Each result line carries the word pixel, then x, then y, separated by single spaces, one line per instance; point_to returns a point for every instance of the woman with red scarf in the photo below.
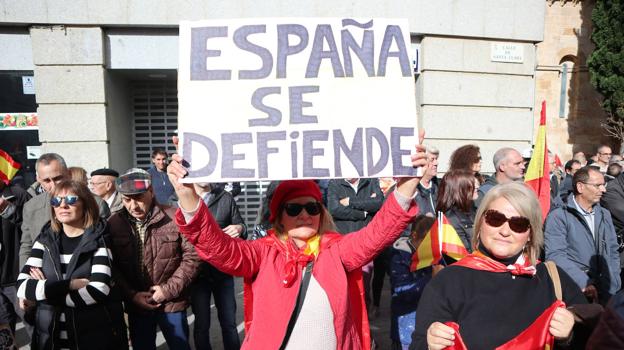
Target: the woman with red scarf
pixel 500 296
pixel 303 282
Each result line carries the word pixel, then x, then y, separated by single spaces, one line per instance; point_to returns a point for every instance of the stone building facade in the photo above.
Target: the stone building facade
pixel 89 59
pixel 562 80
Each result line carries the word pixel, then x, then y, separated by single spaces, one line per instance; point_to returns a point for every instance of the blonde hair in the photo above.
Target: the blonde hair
pixel 90 209
pixel 77 173
pixel 326 223
pixel 525 202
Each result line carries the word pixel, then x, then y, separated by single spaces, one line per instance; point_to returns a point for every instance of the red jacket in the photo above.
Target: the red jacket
pixel 263 264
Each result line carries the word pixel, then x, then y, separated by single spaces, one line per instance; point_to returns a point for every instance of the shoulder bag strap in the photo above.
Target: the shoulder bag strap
pixel 554 276
pixel 303 289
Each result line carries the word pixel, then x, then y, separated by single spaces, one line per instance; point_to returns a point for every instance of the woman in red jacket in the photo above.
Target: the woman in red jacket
pixel 303 285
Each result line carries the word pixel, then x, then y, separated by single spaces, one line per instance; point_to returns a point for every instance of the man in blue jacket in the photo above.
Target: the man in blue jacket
pixel 580 238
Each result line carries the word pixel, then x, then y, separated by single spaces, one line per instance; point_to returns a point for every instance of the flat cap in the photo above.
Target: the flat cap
pixel 134 181
pixel 105 172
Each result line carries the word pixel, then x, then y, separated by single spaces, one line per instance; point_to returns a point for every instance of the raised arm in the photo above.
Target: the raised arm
pixel 232 256
pixel 359 248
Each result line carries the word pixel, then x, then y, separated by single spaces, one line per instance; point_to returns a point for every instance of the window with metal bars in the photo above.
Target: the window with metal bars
pixel 155 120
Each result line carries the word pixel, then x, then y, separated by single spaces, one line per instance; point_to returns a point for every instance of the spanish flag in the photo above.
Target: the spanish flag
pixel 537 336
pixel 441 239
pixel 538 174
pixel 8 167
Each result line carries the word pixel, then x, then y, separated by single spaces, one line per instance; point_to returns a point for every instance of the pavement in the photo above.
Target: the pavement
pixel 380 325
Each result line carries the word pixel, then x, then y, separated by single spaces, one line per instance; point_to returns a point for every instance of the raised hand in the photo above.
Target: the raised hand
pixel 187 197
pixel 407 185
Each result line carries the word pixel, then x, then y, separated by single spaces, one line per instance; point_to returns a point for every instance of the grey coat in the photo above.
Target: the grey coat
pixel 588 260
pixel 36 214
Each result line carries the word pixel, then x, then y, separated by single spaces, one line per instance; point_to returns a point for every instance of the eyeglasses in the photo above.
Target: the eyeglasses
pixel 96 183
pixel 605 154
pixel 294 209
pixel 597 186
pixel 69 200
pixel 518 224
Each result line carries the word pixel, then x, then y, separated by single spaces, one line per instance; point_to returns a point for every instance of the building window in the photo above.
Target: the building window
pixel 566 93
pixel 563 97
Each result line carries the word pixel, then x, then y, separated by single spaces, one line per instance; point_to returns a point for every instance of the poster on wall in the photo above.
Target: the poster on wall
pixel 292 98
pixel 19 121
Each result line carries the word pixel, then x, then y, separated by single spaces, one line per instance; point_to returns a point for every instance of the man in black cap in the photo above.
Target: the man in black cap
pixel 153 264
pixel 102 183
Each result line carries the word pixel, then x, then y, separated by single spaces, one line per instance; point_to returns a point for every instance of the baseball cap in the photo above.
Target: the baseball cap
pixel 134 181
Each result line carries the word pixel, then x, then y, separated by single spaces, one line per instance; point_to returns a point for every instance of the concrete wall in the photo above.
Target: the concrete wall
pixel 16 47
pixel 504 19
pixel 568 27
pixel 69 81
pixel 464 97
pixel 119 122
pixel 461 94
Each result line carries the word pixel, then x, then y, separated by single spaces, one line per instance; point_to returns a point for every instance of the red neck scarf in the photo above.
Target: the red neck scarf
pixel 479 261
pixel 296 259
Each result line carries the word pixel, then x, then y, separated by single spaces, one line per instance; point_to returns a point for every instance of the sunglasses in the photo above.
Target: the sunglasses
pixel 69 200
pixel 518 224
pixel 294 209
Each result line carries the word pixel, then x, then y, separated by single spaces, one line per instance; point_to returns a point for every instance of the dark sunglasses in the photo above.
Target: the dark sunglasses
pixel 518 224
pixel 294 209
pixel 69 200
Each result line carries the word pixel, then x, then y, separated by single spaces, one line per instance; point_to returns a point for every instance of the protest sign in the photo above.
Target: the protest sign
pixel 274 99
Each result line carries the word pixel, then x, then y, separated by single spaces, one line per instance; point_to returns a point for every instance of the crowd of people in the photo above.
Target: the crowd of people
pixel 102 260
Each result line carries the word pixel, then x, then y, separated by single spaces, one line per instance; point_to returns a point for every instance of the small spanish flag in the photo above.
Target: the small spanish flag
pixel 441 239
pixel 8 167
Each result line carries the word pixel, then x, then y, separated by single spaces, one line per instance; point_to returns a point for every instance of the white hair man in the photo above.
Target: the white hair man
pixel 509 166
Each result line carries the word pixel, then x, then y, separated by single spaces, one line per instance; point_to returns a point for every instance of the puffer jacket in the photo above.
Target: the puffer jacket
pixel 266 267
pixel 169 259
pixel 96 326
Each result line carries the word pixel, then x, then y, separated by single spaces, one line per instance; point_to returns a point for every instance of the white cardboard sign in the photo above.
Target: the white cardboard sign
pixel 293 98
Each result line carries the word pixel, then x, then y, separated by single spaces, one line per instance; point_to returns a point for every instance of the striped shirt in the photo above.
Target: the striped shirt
pixel 95 291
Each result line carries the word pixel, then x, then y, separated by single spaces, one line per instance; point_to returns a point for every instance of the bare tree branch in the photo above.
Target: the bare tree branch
pixel 614 127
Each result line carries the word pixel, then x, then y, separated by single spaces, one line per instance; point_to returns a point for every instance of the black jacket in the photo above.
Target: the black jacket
pixel 427 198
pixel 362 206
pixel 11 234
pixel 463 224
pixel 223 208
pixel 613 201
pixel 96 326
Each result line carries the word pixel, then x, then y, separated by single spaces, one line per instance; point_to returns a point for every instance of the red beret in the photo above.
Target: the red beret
pixel 290 189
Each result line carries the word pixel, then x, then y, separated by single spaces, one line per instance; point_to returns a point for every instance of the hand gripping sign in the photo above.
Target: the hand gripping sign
pixel 274 99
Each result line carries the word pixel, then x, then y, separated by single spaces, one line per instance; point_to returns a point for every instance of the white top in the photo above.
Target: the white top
pixel 314 329
pixel 111 199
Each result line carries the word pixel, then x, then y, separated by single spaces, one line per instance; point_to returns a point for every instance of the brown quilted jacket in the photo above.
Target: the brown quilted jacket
pixel 169 259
